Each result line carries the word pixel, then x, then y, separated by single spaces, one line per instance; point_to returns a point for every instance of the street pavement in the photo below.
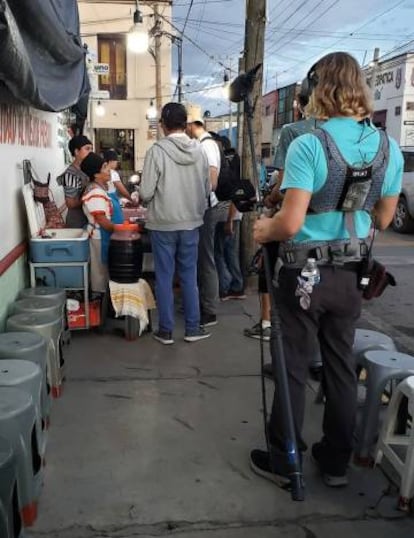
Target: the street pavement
pixel 151 440
pixel 393 312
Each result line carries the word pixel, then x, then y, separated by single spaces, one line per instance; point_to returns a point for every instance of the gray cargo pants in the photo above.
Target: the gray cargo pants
pixel 207 273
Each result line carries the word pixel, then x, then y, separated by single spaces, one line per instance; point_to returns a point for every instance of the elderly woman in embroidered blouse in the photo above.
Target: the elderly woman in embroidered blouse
pixel 97 206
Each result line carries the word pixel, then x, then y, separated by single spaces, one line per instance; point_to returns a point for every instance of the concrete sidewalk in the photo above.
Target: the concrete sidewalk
pixel 152 440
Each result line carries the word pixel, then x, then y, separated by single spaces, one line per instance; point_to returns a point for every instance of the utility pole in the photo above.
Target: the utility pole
pixel 230 107
pixel 253 55
pixel 240 126
pixel 157 59
pixel 179 43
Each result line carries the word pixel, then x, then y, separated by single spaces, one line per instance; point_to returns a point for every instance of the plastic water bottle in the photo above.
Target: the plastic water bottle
pixel 310 273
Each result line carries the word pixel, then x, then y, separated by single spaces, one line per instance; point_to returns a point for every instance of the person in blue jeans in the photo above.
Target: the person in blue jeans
pixel 227 256
pixel 175 186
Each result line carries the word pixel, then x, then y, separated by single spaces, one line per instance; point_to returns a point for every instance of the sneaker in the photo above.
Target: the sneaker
pixel 333 480
pixel 208 320
pixel 196 335
pixel 257 332
pixel 164 337
pixel 233 295
pixel 260 464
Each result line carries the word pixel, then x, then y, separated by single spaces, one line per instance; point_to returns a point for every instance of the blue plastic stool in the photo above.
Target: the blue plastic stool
pixel 18 427
pixel 34 348
pixel 10 520
pixel 26 376
pixel 50 328
pixel 381 367
pixel 58 295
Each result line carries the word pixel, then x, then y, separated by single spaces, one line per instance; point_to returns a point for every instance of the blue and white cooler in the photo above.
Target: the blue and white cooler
pixel 55 246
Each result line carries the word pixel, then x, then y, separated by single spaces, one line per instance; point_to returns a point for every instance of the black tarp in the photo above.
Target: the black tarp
pixel 42 60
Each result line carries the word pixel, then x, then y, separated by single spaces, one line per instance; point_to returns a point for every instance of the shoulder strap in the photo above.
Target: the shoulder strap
pixel 207 138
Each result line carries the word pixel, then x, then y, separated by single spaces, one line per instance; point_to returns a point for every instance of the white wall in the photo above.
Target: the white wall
pixel 25 134
pixel 407 129
pixel 112 18
pixel 393 87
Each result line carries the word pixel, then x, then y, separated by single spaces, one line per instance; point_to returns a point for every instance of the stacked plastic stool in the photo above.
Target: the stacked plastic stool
pixel 50 327
pixel 29 347
pixel 38 305
pixel 10 521
pixel 382 367
pixel 58 296
pixel 392 445
pixel 18 427
pixel 365 340
pixel 26 376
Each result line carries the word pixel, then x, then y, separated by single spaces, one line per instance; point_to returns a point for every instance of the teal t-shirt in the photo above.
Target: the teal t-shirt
pixel 306 169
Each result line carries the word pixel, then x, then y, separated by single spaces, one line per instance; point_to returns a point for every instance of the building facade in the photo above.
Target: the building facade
pixel 269 116
pixel 392 84
pixel 128 79
pixel 279 108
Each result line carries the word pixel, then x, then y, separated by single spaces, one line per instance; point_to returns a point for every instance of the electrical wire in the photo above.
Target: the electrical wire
pixel 201 49
pixel 186 19
pixel 311 58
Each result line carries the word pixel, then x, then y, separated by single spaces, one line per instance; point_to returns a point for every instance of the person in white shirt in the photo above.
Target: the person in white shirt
pixel 115 184
pixel 216 212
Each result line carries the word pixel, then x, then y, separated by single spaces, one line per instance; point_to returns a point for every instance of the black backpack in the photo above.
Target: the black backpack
pixel 229 177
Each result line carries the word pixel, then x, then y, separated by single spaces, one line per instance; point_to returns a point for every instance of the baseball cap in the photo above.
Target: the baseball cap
pixel 77 142
pixel 110 155
pixel 173 115
pixel 92 165
pixel 196 119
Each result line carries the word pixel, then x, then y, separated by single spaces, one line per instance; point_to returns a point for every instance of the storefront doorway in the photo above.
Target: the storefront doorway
pixel 122 140
pixel 380 119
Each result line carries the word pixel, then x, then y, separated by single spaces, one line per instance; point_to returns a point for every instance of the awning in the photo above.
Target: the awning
pixel 42 60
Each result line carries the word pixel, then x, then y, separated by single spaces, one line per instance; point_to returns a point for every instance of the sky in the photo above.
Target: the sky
pixel 298 32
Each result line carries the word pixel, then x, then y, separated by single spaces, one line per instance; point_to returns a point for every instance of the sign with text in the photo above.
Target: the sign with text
pixel 18 126
pixel 101 69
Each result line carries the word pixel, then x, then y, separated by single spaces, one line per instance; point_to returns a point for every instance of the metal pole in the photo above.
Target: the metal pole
pixel 230 111
pixel 157 58
pixel 276 344
pixel 179 42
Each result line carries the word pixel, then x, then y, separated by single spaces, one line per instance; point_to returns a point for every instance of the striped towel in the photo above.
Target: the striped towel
pixel 132 300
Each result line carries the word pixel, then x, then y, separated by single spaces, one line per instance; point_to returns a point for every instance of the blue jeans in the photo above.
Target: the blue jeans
pixel 171 251
pixel 227 256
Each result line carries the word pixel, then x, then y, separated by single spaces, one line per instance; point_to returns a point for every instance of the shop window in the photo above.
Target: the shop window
pixel 112 51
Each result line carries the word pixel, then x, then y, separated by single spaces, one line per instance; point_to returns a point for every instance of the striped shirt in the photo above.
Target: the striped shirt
pixel 74 181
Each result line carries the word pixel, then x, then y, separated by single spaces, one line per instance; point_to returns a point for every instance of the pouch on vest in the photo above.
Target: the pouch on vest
pixel 358 182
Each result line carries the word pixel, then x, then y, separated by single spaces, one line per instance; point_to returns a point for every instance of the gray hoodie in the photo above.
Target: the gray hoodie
pixel 175 184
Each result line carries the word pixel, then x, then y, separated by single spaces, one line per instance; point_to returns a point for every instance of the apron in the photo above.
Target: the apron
pixel 117 218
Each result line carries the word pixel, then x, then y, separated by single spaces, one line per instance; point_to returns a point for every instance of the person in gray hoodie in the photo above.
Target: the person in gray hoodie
pixel 175 187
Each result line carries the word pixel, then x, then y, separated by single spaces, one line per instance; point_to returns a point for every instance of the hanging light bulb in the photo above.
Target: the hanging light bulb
pixel 151 111
pixel 100 109
pixel 137 37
